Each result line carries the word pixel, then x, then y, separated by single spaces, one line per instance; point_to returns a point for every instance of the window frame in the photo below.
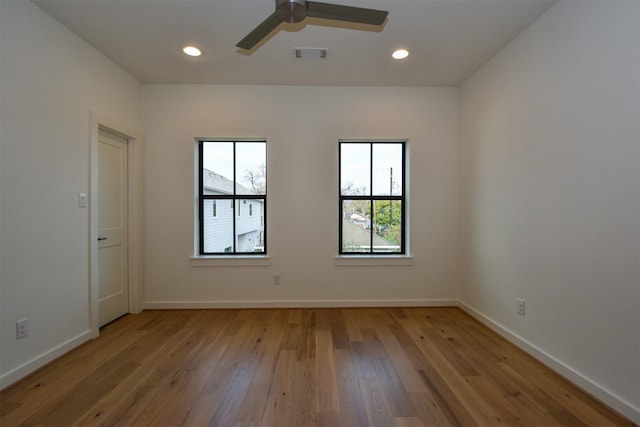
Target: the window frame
pixel 235 199
pixel 402 198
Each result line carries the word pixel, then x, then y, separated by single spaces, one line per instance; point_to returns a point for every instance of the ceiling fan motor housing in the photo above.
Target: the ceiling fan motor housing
pixel 291 11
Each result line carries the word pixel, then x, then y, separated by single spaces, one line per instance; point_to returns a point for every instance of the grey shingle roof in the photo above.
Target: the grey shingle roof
pixel 353 234
pixel 215 183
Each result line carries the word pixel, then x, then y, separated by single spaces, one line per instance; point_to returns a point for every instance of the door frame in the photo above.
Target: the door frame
pixel 134 215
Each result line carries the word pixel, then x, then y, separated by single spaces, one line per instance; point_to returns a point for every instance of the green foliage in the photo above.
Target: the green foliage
pixel 392 234
pixel 387 212
pixel 388 219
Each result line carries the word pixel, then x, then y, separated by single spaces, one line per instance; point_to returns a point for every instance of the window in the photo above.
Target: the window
pixel 372 197
pixel 234 171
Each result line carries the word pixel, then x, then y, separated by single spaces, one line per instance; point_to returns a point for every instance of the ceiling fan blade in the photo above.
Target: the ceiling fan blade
pixel 260 32
pixel 346 13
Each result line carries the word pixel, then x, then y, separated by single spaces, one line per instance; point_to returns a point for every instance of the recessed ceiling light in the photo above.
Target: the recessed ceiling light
pixel 192 51
pixel 400 54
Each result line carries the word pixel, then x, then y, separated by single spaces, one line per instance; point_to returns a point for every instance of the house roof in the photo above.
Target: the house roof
pixel 215 183
pixel 353 234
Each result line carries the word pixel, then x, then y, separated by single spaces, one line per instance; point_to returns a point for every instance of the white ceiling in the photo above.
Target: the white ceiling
pixel 448 40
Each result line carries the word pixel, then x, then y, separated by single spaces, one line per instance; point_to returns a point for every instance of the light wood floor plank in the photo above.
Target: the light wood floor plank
pixel 351 367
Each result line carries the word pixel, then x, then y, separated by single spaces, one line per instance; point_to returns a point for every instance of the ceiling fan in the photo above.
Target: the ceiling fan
pixel 293 11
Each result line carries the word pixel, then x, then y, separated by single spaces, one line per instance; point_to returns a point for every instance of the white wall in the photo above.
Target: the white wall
pixel 550 171
pixel 302 126
pixel 549 166
pixel 50 80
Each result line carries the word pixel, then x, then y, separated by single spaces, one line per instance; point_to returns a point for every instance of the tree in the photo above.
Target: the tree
pixel 388 219
pixel 257 179
pixel 387 212
pixel 392 234
pixel 361 207
pixel 350 189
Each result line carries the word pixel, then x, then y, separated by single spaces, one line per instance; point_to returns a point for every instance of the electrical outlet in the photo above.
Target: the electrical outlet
pixel 520 306
pixel 276 279
pixel 22 328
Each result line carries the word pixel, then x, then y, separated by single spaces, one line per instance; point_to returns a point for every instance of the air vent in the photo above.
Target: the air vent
pixel 310 53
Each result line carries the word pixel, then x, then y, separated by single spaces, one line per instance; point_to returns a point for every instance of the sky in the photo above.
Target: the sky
pixel 218 158
pixel 356 165
pixel 355 159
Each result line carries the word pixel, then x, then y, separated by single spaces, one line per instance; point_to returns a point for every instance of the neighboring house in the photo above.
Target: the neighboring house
pixel 218 217
pixel 360 221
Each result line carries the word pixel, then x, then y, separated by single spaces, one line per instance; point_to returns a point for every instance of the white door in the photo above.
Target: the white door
pixel 113 287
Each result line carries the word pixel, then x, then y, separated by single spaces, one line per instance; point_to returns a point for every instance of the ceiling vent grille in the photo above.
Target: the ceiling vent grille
pixel 310 53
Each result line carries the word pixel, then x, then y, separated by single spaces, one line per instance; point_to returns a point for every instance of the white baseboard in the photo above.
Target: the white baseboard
pixel 625 408
pixel 38 362
pixel 168 305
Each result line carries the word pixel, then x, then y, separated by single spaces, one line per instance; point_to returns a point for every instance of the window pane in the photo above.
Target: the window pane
pixel 217 167
pixel 218 228
pixel 372 179
pixel 387 169
pixel 356 226
pixel 387 216
pixel 234 174
pixel 355 166
pixel 250 225
pixel 251 167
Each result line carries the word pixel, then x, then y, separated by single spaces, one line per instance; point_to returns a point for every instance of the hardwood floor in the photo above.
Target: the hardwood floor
pixel 299 367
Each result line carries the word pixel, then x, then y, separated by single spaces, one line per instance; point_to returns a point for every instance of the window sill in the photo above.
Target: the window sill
pixel 374 261
pixel 230 261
